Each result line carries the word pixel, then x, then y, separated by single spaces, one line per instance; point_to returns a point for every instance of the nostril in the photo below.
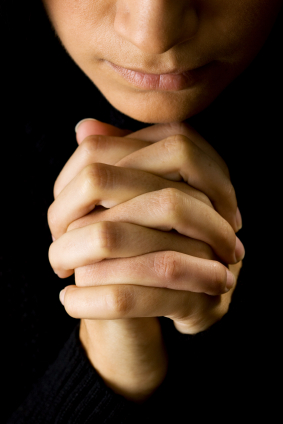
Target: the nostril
pixel 156 27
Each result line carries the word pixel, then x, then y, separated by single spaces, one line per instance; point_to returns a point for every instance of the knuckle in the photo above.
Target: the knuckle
pixel 119 301
pixel 217 276
pixel 168 199
pixel 96 175
pixel 90 145
pixel 177 145
pixel 106 236
pixel 166 267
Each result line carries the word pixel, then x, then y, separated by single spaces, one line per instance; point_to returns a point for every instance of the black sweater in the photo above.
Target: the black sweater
pixel 46 375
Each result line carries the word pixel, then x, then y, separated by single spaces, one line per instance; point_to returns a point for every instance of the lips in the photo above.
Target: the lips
pixel 173 81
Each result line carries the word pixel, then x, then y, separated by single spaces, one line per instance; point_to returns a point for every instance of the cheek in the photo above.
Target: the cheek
pixel 238 28
pixel 80 25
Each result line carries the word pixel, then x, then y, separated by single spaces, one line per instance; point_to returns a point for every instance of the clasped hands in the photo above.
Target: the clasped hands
pixel 147 223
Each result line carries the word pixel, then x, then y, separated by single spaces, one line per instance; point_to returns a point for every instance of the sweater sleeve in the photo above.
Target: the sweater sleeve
pixel 71 391
pixel 202 368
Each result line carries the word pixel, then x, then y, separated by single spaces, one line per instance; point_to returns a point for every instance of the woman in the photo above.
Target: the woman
pixel 145 217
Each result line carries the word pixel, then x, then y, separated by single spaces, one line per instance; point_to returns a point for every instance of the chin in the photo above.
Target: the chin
pixel 160 107
pixel 158 116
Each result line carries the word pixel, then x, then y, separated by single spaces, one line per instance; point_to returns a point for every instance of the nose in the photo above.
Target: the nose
pixel 155 26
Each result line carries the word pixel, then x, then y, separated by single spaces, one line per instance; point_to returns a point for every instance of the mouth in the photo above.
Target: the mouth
pixel 169 81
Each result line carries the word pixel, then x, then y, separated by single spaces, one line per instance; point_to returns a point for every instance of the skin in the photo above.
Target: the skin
pixel 159 36
pixel 152 229
pixel 113 296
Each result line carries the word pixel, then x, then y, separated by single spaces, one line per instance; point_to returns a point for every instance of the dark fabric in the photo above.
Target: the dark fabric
pixel 46 377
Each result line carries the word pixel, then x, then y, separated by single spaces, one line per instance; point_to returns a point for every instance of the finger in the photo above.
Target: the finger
pixel 100 149
pixel 167 269
pixel 153 133
pixel 197 311
pixel 159 132
pixel 90 126
pixel 169 209
pixel 103 240
pixel 105 185
pixel 96 149
pixel 177 158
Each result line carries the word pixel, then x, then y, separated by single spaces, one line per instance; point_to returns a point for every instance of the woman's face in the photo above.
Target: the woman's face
pixel 162 60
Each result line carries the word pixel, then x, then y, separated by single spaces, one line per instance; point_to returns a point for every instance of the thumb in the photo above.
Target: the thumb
pixel 90 126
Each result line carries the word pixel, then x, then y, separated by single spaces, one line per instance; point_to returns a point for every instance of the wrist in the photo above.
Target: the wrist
pixel 129 354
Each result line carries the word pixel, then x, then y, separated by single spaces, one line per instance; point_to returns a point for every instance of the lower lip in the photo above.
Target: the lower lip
pixel 166 82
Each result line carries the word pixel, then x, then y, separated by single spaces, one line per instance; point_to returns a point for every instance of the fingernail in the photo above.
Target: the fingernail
pixel 239 250
pixel 239 219
pixel 86 119
pixel 62 295
pixel 230 280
